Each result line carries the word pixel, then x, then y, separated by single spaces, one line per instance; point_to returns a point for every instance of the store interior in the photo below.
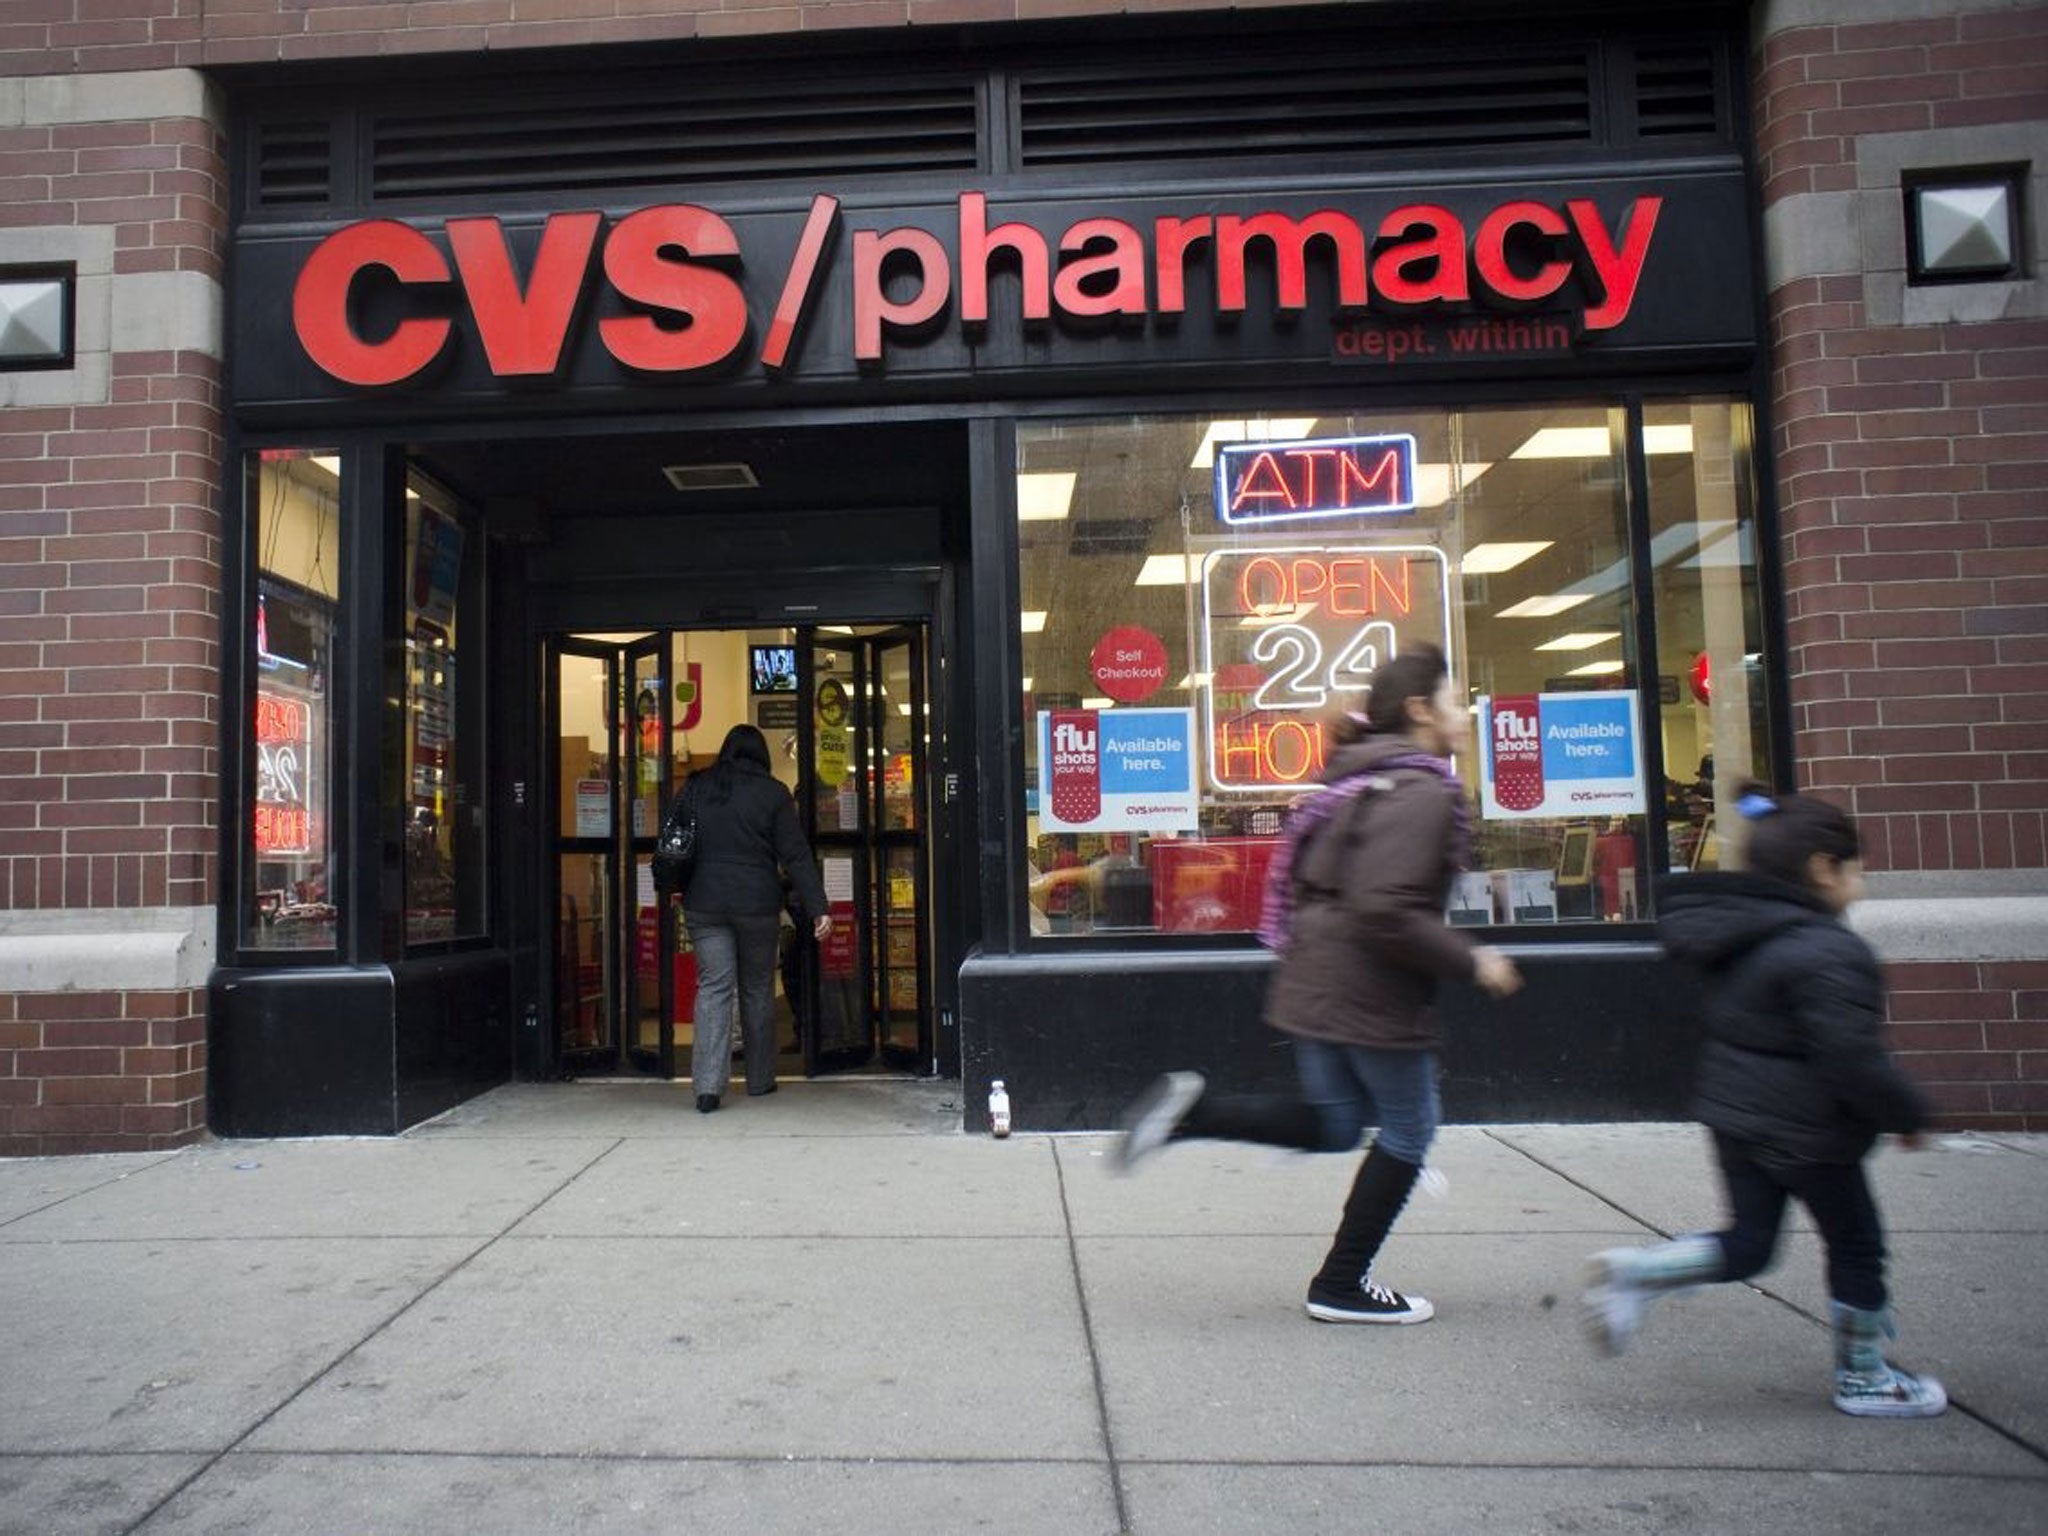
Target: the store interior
pixel 1512 552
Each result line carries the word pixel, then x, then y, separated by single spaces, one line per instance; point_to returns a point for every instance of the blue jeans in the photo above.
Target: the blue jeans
pixel 1346 1084
pixel 736 955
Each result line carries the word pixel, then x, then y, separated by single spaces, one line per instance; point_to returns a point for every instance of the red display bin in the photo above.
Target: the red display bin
pixel 1215 886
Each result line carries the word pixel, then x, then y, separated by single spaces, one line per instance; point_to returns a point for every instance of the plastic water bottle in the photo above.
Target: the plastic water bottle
pixel 998 1109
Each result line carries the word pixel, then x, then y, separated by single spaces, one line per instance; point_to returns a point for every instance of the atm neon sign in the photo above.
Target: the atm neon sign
pixel 1320 477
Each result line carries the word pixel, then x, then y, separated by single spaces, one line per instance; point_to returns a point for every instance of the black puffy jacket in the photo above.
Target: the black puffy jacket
pixel 1794 1063
pixel 747 835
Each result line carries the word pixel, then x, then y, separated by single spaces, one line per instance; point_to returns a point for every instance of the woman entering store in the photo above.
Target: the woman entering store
pixel 748 840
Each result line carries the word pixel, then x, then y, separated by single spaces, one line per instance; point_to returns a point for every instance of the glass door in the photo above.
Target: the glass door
pixel 608 716
pixel 833 748
pixel 863 745
pixel 899 733
pixel 582 710
pixel 650 984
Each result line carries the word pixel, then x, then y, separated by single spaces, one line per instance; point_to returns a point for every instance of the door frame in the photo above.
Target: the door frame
pixel 916 599
pixel 638 844
pixel 869 844
pixel 557 843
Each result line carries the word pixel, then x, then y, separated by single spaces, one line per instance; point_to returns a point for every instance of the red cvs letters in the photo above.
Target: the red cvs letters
pixel 690 315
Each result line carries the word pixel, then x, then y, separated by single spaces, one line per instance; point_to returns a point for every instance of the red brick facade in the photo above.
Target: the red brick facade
pixel 101 1071
pixel 1912 461
pixel 1911 457
pixel 1972 1034
pixel 1912 471
pixel 110 581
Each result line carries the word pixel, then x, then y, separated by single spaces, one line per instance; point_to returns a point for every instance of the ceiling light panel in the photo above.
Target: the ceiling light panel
pixel 1581 640
pixel 1044 497
pixel 1546 607
pixel 1163 571
pixel 1598 669
pixel 1278 429
pixel 1433 482
pixel 1598 442
pixel 1034 621
pixel 1492 559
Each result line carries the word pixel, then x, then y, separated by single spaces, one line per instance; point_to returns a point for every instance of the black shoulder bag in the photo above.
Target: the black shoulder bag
pixel 675 846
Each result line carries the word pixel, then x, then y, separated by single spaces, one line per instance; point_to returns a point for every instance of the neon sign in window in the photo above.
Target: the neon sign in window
pixel 1316 477
pixel 284 773
pixel 1288 633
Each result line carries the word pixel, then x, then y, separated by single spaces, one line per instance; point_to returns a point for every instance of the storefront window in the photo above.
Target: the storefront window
pixel 1202 598
pixel 1712 695
pixel 287 901
pixel 444 812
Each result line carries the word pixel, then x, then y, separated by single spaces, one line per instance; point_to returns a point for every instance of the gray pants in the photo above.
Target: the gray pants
pixel 736 955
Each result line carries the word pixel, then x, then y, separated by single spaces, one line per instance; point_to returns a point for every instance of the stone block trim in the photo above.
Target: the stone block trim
pixel 1975 1036
pixel 1912 456
pixel 101 1071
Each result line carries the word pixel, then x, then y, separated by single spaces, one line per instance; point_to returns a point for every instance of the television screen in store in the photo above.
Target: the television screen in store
pixel 773 668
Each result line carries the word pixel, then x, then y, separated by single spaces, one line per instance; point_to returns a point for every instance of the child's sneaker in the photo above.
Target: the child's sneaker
pixel 1866 1384
pixel 1370 1303
pixel 1889 1394
pixel 1612 1305
pixel 1622 1282
pixel 1153 1116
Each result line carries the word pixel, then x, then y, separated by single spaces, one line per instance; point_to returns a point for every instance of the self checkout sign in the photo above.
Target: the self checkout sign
pixel 1315 477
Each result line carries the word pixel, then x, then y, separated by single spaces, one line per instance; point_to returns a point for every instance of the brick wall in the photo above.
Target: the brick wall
pixel 101 1071
pixel 1971 1034
pixel 110 579
pixel 1912 463
pixel 60 36
pixel 1912 449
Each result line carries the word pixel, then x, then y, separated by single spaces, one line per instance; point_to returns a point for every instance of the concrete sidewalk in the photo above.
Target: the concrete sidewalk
pixel 587 1308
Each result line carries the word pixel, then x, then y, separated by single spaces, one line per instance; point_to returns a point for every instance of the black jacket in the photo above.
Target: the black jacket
pixel 747 835
pixel 1794 1063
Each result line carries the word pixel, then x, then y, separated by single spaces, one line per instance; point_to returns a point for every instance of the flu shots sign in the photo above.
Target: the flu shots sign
pixel 1116 770
pixel 1560 755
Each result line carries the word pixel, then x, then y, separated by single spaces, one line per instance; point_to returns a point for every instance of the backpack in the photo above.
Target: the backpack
pixel 1282 892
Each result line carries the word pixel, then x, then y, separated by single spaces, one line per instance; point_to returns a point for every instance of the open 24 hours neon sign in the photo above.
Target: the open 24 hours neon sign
pixel 1290 633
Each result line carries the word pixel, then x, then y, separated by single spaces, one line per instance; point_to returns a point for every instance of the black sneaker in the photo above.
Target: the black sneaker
pixel 706 1102
pixel 1153 1116
pixel 1370 1303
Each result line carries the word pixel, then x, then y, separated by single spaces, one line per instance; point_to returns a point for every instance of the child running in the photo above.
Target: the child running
pixel 1369 864
pixel 1795 1086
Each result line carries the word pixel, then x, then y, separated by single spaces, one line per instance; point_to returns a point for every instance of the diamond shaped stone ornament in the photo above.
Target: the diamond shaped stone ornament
pixel 31 320
pixel 1965 229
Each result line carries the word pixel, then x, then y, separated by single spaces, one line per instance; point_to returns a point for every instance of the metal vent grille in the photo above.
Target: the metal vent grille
pixel 292 162
pixel 1110 536
pixel 711 477
pixel 1675 91
pixel 1227 102
pixel 751 133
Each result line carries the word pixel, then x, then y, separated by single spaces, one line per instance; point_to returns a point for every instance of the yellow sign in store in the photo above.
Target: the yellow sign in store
pixel 831 753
